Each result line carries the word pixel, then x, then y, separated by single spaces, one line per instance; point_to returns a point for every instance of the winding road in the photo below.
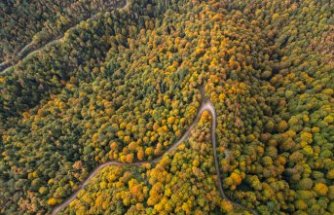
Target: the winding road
pixel 206 105
pixel 30 49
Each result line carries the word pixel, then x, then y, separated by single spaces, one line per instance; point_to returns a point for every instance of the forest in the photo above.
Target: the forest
pixel 167 107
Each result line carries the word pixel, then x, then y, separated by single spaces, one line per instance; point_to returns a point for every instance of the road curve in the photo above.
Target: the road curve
pixel 206 105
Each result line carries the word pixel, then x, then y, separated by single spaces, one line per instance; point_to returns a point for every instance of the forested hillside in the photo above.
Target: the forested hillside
pixel 183 181
pixel 191 106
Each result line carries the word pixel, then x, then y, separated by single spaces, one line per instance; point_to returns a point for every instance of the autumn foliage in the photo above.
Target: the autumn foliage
pixel 124 85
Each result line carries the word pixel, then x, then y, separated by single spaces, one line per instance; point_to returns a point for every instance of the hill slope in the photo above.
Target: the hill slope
pixel 123 83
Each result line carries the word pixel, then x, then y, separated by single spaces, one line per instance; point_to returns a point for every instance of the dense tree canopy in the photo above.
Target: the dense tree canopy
pixel 182 182
pixel 106 82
